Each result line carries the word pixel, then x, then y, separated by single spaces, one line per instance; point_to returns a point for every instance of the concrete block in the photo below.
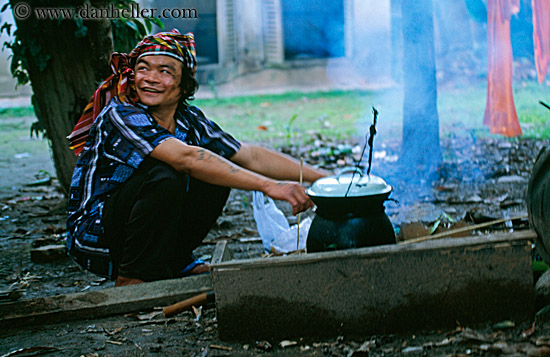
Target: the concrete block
pixel 384 289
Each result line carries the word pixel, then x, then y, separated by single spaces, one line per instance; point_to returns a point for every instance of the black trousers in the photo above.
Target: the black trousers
pixel 155 220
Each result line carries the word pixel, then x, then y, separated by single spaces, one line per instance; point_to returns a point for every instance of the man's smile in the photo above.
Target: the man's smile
pixel 151 90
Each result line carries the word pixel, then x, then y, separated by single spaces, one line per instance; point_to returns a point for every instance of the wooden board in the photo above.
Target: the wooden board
pixel 382 289
pixel 106 302
pixel 221 253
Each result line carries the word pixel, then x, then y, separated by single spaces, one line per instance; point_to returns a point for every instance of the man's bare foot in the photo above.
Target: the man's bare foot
pixel 199 269
pixel 123 281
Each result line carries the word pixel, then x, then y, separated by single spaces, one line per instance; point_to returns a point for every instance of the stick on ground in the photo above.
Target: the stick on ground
pixel 464 229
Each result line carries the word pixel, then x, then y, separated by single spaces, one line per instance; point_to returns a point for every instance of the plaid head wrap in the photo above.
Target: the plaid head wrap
pixel 121 82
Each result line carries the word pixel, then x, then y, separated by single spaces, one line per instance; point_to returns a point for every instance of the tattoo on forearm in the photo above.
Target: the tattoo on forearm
pixel 202 153
pixel 203 157
pixel 232 168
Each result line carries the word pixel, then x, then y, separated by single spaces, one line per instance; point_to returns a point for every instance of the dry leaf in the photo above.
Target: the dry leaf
pixel 287 343
pixel 543 341
pixel 528 332
pixel 29 351
pixel 198 312
pixel 264 346
pixel 219 347
pixel 503 325
pixel 114 332
pixel 149 316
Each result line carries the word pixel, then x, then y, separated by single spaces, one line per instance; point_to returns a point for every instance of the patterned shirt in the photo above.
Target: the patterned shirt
pixel 121 137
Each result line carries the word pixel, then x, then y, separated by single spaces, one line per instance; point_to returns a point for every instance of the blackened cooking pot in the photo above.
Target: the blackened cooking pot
pixel 350 212
pixel 349 192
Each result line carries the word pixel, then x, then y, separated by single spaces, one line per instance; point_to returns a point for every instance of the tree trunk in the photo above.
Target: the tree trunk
pixel 420 151
pixel 67 79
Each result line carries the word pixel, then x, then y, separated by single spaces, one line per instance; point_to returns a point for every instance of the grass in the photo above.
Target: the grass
pixel 535 118
pixel 290 117
pixel 15 137
pixel 297 118
pixel 344 114
pixel 464 107
pixel 16 112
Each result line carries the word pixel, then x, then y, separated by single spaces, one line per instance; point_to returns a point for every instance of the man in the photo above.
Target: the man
pixel 154 173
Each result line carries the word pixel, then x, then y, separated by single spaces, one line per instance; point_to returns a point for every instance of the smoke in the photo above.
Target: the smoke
pixel 412 126
pixel 407 150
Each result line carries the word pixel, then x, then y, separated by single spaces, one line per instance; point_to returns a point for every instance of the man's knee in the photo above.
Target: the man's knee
pixel 166 179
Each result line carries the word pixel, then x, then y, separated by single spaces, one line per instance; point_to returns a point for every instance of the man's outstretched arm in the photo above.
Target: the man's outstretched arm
pixel 274 164
pixel 207 166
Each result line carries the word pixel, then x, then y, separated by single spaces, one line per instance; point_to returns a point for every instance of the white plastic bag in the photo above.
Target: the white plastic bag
pixel 277 235
pixel 286 242
pixel 271 222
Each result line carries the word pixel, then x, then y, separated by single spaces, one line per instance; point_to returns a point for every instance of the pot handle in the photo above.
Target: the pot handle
pixel 348 170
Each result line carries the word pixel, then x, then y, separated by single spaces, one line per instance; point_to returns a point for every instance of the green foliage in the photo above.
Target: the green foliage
pixel 23 51
pixel 288 127
pixel 126 33
pixel 244 202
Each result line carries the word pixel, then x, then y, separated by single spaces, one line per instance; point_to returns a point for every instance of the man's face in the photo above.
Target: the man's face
pixel 157 80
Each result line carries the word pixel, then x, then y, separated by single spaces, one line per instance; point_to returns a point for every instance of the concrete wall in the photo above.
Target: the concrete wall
pixel 366 62
pixel 245 60
pixel 384 289
pixel 248 28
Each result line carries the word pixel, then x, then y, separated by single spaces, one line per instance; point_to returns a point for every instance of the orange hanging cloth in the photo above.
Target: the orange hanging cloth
pixel 500 111
pixel 541 36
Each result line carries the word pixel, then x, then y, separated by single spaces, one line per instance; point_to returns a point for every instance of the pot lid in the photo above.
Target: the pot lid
pixel 337 186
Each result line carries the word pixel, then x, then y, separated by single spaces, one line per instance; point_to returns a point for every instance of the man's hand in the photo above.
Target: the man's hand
pixel 292 192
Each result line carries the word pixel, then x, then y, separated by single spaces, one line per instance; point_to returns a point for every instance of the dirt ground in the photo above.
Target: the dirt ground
pixel 479 180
